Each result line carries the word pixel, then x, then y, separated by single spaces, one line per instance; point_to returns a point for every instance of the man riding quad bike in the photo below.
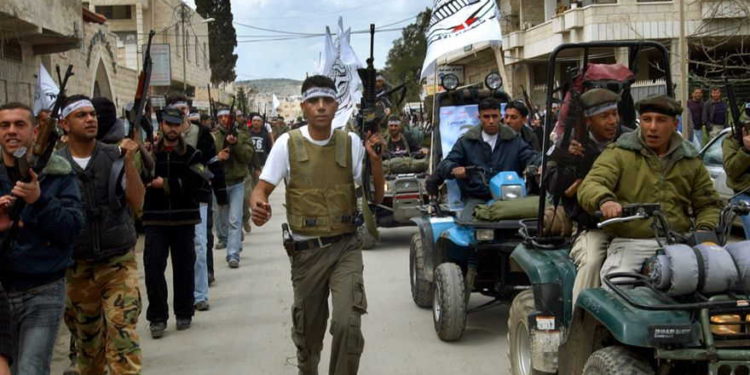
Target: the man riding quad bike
pixel 458 251
pixel 667 299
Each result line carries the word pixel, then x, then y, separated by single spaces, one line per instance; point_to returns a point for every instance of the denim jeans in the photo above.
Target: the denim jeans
pixel 698 138
pixel 201 269
pixel 231 214
pixel 746 218
pixel 35 319
pixel 220 222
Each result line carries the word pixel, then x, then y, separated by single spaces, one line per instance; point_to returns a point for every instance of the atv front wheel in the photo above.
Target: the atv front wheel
pixel 449 302
pixel 616 360
pixel 519 335
pixel 421 288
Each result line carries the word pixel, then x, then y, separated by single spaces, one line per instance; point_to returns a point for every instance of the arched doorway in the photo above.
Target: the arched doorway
pixel 101 83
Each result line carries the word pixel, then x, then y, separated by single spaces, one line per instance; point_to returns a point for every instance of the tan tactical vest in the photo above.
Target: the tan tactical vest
pixel 320 199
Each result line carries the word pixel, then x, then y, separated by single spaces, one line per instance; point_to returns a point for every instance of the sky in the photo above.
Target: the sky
pixel 294 58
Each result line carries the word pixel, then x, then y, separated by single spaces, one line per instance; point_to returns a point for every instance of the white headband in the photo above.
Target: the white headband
pixel 72 107
pixel 223 112
pixel 258 117
pixel 317 92
pixel 194 116
pixel 593 111
pixel 178 104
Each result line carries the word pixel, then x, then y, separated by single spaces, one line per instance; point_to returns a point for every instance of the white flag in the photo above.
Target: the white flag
pixel 45 92
pixel 459 23
pixel 341 64
pixel 276 104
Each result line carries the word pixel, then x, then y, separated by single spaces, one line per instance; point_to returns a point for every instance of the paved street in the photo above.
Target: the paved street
pixel 247 330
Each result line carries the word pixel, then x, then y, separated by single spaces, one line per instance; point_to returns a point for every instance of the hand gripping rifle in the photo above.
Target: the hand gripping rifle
pixel 368 121
pixel 41 152
pixel 136 118
pixel 573 122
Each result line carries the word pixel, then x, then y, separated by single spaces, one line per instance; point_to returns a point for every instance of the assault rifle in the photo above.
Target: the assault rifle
pixel 232 125
pixel 573 164
pixel 532 109
pixel 41 152
pixel 735 110
pixel 211 107
pixel 141 97
pixel 368 121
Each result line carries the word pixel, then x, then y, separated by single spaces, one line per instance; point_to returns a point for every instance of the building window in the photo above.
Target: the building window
pixel 115 12
pixel 10 49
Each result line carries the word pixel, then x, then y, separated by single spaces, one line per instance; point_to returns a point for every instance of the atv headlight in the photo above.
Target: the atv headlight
pixel 485 234
pixel 509 192
pixel 449 81
pixel 493 81
pixel 407 185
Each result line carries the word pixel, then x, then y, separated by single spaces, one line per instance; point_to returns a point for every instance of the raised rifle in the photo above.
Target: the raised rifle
pixel 532 109
pixel 368 121
pixel 211 108
pixel 571 163
pixel 735 110
pixel 232 125
pixel 141 97
pixel 41 152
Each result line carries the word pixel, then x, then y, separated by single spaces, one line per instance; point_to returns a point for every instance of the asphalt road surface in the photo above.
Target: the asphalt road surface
pixel 247 330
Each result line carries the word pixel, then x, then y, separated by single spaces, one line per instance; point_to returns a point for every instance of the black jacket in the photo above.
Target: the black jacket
pixel 207 147
pixel 6 343
pixel 177 202
pixel 511 153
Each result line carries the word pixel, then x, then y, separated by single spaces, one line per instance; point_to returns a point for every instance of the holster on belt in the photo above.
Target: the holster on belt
pixel 287 239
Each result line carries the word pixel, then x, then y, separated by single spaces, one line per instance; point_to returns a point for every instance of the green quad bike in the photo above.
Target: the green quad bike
pixel 636 324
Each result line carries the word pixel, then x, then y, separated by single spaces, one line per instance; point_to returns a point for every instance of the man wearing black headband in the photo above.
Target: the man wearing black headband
pixel 32 266
pixel 653 164
pixel 321 167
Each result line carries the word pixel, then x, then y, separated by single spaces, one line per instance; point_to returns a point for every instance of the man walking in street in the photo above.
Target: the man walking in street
pixel 170 214
pixel 200 139
pixel 715 113
pixel 103 295
pixel 695 105
pixel 37 250
pixel 321 167
pixel 236 151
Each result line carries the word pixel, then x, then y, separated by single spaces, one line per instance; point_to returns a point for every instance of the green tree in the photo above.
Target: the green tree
pixel 222 38
pixel 242 100
pixel 407 55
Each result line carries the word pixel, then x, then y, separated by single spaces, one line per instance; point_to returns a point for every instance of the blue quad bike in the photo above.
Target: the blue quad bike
pixel 686 312
pixel 451 258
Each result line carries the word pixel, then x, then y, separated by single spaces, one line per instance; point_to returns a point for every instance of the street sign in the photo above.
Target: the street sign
pixel 161 75
pixel 158 102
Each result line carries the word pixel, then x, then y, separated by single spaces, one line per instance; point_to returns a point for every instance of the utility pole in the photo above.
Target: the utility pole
pixel 687 131
pixel 183 16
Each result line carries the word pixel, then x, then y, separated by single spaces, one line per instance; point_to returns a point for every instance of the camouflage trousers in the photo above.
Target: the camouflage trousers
pixel 102 311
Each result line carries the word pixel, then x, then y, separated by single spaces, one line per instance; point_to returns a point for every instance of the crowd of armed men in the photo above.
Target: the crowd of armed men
pixel 69 231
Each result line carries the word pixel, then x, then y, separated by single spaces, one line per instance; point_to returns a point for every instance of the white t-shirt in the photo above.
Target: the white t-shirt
pixel 277 165
pixel 82 162
pixel 490 139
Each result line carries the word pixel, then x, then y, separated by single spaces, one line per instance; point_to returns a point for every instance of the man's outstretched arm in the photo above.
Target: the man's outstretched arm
pixel 259 202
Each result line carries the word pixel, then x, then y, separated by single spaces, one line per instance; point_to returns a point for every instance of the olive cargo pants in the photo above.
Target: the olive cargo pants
pixel 335 269
pixel 588 252
pixel 102 310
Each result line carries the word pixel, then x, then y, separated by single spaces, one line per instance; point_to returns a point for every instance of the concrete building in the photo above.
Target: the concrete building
pixel 532 29
pixel 32 34
pixel 29 32
pixel 178 28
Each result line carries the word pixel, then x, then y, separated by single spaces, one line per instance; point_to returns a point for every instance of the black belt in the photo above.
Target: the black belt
pixel 318 242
